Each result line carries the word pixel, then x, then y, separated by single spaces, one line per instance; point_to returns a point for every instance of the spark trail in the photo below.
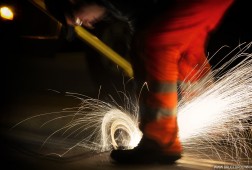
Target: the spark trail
pixel 217 122
pixel 214 124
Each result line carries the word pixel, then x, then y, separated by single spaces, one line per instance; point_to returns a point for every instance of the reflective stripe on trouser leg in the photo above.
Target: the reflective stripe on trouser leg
pixel 160 121
pixel 162 99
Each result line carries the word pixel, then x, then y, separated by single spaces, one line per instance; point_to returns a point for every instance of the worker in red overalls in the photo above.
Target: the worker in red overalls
pixel 168 50
pixel 171 49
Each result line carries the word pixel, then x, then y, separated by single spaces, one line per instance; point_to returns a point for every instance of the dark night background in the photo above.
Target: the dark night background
pixel 32 68
pixel 20 47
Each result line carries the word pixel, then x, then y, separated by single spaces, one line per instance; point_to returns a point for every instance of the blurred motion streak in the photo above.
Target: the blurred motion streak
pixel 104 49
pixel 97 44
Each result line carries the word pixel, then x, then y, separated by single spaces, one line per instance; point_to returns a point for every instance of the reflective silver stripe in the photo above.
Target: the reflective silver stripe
pixel 162 87
pixel 154 114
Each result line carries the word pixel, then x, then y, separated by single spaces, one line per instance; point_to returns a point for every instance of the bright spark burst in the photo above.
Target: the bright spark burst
pixel 215 124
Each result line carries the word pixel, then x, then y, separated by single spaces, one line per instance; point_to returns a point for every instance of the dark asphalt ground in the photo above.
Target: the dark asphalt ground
pixel 34 89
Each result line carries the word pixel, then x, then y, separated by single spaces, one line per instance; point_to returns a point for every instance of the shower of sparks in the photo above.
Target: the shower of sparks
pixel 217 122
pixel 214 124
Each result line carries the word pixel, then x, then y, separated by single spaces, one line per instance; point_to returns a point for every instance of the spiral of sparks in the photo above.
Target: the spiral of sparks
pixel 216 124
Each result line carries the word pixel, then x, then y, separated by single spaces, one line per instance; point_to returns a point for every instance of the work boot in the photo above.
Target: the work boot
pixel 151 149
pixel 147 152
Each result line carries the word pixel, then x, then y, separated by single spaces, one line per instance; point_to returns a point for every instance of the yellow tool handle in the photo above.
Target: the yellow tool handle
pixel 104 49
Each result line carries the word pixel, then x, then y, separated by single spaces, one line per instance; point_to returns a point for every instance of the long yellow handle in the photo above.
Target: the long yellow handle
pixel 97 44
pixel 104 49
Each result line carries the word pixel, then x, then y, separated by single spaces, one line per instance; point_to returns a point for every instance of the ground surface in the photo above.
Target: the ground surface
pixel 37 86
